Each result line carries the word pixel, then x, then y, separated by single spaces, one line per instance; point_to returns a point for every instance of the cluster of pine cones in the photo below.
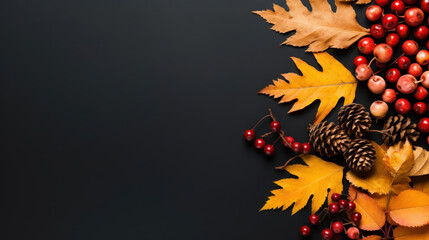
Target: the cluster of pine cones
pixel 347 138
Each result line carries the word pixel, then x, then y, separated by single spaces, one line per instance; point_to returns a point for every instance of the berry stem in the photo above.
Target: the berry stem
pixel 266 134
pixel 260 121
pixel 283 167
pixel 271 114
pixel 396 60
pixel 380 131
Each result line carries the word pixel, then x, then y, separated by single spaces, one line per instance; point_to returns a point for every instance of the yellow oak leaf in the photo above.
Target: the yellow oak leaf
pixel 314 179
pixel 415 233
pixel 421 183
pixel 372 237
pixel 410 208
pixel 373 217
pixel 318 29
pixel 421 162
pixel 329 85
pixel 378 180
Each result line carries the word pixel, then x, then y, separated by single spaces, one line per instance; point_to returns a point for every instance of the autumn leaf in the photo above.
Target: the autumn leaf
pixel 399 158
pixel 421 183
pixel 313 180
pixel 406 233
pixel 372 237
pixel 373 217
pixel 410 208
pixel 378 180
pixel 421 162
pixel 328 86
pixel 320 28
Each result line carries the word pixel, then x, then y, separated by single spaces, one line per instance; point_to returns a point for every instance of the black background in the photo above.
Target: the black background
pixel 123 119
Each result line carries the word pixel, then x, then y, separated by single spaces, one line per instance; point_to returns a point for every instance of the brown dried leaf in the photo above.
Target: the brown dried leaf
pixel 421 162
pixel 319 29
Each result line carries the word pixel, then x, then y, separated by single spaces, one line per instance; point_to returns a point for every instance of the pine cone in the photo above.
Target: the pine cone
pixel 360 156
pixel 354 120
pixel 328 139
pixel 399 128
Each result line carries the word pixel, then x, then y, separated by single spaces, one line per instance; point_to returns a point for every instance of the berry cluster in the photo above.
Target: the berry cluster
pixel 288 141
pixel 338 223
pixel 402 24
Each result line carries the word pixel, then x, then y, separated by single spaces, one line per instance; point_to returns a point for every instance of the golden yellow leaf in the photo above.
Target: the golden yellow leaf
pixel 320 28
pixel 313 180
pixel 372 237
pixel 399 160
pixel 329 85
pixel 378 180
pixel 421 162
pixel 381 200
pixel 410 208
pixel 373 217
pixel 421 183
pixel 415 233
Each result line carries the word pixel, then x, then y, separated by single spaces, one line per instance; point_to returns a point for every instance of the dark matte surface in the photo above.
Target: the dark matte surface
pixel 124 119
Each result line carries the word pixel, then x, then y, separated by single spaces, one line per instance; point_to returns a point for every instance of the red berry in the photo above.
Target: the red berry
pixel 275 126
pixel 363 72
pixel 351 206
pixel 420 108
pixel 259 143
pixel 422 57
pixel 392 75
pixel 427 140
pixel 421 32
pixel 397 7
pixel 403 63
pixel 376 84
pixel 382 3
pixel 389 95
pixel 297 147
pixel 289 141
pixel 423 125
pixel 377 31
pixel 402 30
pixel 380 65
pixel 327 234
pixel 406 84
pixel 306 148
pixel 373 12
pixel 392 39
pixel 413 16
pixel 314 219
pixel 389 21
pixel 335 197
pixel 366 45
pixel 383 53
pixel 333 207
pixel 249 134
pixel 343 203
pixel 356 217
pixel 402 106
pixel 425 79
pixel 360 60
pixel 410 47
pixel 305 231
pixel 353 233
pixel 415 69
pixel 337 227
pixel 421 93
pixel 424 5
pixel 269 150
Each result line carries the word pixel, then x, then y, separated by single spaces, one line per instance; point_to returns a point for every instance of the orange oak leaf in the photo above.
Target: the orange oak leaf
pixel 373 217
pixel 421 162
pixel 372 237
pixel 415 233
pixel 421 183
pixel 318 29
pixel 358 1
pixel 314 179
pixel 329 85
pixel 410 208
